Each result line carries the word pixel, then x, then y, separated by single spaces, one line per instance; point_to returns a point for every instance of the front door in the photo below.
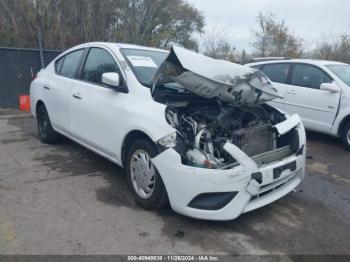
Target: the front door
pixel 94 108
pixel 317 108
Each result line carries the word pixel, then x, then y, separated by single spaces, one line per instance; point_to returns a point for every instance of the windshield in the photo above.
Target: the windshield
pixel 342 71
pixel 144 63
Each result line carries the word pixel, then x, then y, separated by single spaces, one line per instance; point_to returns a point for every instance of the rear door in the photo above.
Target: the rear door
pixel 58 87
pixel 278 74
pixel 316 107
pixel 94 108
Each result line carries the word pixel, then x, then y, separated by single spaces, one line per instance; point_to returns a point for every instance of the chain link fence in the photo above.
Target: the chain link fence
pixel 17 68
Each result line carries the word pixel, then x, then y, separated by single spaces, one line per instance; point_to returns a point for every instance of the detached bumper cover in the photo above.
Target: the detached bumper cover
pixel 185 183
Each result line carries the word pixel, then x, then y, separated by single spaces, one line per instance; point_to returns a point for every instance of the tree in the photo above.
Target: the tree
pixel 160 23
pixel 333 48
pixel 216 45
pixel 242 57
pixel 274 38
pixel 64 23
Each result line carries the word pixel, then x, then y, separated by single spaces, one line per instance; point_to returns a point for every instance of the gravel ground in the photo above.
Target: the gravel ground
pixel 64 199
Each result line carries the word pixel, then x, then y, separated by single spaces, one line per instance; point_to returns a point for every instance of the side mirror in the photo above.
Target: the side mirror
pixel 111 79
pixel 330 87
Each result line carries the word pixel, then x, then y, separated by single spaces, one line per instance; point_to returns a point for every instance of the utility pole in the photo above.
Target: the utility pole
pixel 41 51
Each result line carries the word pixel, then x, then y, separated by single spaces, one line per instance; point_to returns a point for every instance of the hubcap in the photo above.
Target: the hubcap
pixel 143 173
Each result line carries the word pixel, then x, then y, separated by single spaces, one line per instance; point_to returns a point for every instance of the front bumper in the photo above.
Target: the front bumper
pixel 183 183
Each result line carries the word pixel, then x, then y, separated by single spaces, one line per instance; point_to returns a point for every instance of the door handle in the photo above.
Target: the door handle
pixel 77 96
pixel 47 87
pixel 291 92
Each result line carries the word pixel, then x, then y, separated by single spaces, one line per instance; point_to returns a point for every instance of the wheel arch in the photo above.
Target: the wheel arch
pixel 38 103
pixel 129 138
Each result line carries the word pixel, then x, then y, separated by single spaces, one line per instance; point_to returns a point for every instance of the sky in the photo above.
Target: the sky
pixel 312 20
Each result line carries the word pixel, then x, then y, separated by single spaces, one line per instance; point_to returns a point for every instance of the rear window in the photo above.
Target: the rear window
pixel 58 65
pixel 277 72
pixel 69 64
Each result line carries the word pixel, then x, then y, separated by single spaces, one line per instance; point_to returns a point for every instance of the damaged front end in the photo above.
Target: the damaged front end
pixel 203 130
pixel 211 102
pixel 231 152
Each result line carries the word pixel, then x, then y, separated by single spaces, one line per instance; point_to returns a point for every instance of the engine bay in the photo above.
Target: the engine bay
pixel 203 127
pixel 219 102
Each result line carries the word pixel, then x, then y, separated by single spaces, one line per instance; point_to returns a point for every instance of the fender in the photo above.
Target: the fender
pixel 155 128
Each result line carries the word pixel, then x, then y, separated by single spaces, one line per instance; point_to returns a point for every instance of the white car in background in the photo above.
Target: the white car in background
pixel 188 129
pixel 318 91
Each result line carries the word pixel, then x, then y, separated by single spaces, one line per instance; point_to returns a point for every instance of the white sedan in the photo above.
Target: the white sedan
pixel 191 131
pixel 317 90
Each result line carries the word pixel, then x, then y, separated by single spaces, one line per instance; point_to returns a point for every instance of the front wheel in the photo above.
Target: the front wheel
pixel 345 136
pixel 143 178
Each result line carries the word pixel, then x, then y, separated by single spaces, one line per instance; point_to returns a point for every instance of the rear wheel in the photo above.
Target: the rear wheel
pixel 46 133
pixel 143 178
pixel 345 136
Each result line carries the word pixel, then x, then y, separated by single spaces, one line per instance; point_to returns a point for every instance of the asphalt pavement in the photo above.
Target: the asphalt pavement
pixel 64 199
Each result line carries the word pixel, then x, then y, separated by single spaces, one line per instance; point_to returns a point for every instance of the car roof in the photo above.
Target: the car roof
pixel 120 45
pixel 306 61
pixel 131 46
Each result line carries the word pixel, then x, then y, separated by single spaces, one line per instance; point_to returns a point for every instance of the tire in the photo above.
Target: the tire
pixel 46 132
pixel 345 136
pixel 152 196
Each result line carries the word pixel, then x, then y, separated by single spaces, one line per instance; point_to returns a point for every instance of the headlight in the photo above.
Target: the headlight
pixel 168 141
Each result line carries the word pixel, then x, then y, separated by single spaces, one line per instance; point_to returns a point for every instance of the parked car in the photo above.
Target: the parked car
pixel 188 129
pixel 319 91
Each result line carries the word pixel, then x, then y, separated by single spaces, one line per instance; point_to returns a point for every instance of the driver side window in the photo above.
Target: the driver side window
pixel 99 61
pixel 309 76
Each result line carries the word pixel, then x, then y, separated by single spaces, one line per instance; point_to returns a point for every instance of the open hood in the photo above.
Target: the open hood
pixel 208 77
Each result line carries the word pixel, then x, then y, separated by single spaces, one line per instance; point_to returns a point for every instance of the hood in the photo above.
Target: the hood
pixel 208 77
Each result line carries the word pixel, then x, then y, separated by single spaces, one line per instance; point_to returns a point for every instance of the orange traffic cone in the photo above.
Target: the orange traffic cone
pixel 24 103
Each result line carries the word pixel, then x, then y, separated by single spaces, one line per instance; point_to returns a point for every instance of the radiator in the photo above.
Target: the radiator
pixel 255 140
